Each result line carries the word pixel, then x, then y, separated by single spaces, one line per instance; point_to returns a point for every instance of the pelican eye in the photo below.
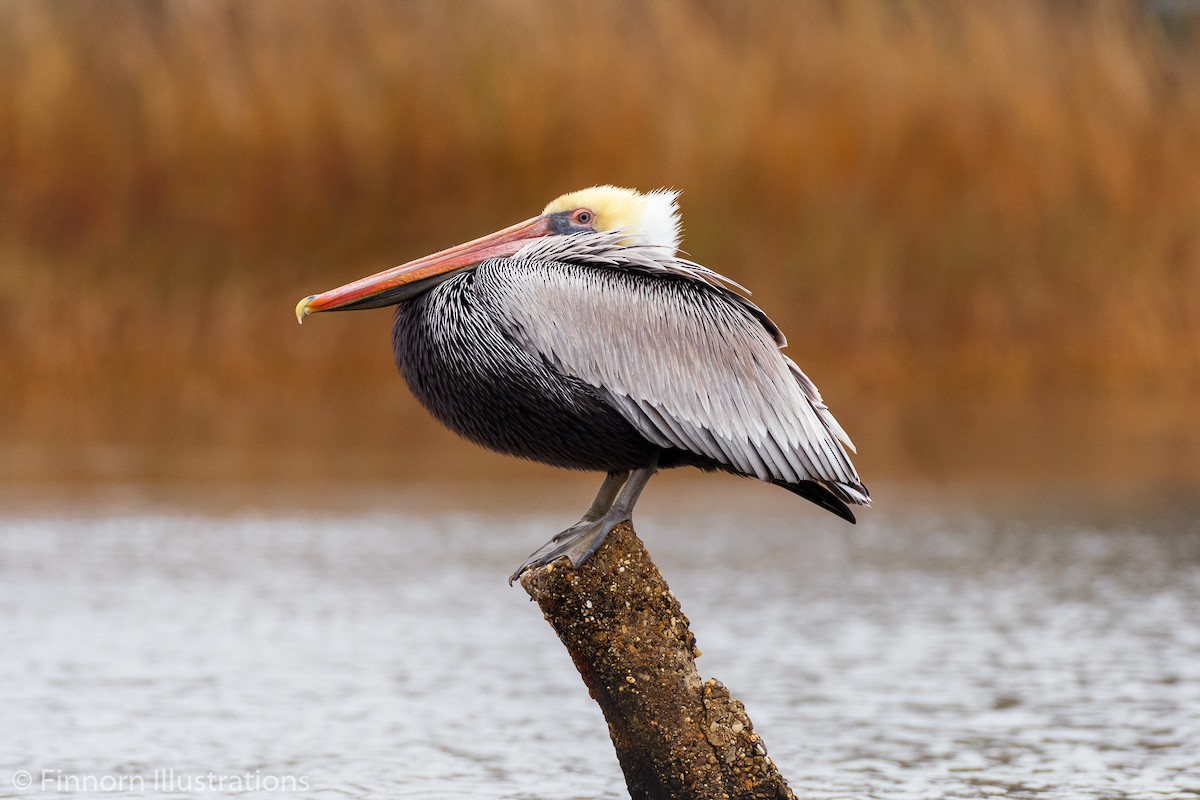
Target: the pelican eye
pixel 583 216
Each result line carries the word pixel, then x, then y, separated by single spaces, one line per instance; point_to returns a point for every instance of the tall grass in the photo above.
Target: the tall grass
pixel 931 198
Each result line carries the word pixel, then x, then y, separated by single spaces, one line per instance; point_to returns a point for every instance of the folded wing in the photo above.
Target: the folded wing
pixel 691 365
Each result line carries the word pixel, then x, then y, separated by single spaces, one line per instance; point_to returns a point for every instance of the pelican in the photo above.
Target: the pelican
pixel 581 338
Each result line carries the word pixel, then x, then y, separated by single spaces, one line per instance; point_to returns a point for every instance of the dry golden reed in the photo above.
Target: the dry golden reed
pixel 929 196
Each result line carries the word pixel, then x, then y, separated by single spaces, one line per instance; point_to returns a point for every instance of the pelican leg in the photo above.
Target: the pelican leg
pixel 613 505
pixel 604 498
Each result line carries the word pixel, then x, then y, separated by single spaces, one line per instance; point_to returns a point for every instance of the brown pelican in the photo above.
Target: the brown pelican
pixel 581 339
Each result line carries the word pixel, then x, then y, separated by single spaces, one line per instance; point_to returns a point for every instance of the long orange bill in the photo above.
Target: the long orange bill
pixel 397 284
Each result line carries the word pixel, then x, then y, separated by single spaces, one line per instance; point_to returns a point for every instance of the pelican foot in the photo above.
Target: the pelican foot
pixel 578 543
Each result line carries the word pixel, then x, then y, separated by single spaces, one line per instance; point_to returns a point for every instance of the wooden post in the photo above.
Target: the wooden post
pixel 677 737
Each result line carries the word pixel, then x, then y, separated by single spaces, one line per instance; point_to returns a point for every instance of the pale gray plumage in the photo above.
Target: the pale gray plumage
pixel 695 370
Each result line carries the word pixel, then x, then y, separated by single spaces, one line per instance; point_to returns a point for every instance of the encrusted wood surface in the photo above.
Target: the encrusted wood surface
pixel 676 736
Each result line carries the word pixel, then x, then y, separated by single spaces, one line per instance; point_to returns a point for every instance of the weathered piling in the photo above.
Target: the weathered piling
pixel 677 737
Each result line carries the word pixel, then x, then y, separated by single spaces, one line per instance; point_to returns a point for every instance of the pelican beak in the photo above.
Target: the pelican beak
pixel 400 283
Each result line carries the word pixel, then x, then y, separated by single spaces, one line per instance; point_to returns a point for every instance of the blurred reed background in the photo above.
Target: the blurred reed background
pixel 979 222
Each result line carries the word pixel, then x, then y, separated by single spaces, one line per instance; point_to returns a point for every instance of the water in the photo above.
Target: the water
pixel 380 652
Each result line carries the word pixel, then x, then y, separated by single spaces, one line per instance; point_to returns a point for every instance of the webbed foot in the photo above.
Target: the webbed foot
pixel 578 543
pixel 612 506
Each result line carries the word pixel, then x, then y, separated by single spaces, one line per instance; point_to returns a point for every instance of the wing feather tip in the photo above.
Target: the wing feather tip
pixel 831 497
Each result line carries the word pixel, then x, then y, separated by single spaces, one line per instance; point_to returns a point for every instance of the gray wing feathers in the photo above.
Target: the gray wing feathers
pixel 695 370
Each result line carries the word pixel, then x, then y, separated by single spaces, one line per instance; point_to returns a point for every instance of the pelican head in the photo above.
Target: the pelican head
pixel 646 220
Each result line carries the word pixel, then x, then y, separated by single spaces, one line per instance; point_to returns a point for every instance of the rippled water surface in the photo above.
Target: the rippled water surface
pixel 380 653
